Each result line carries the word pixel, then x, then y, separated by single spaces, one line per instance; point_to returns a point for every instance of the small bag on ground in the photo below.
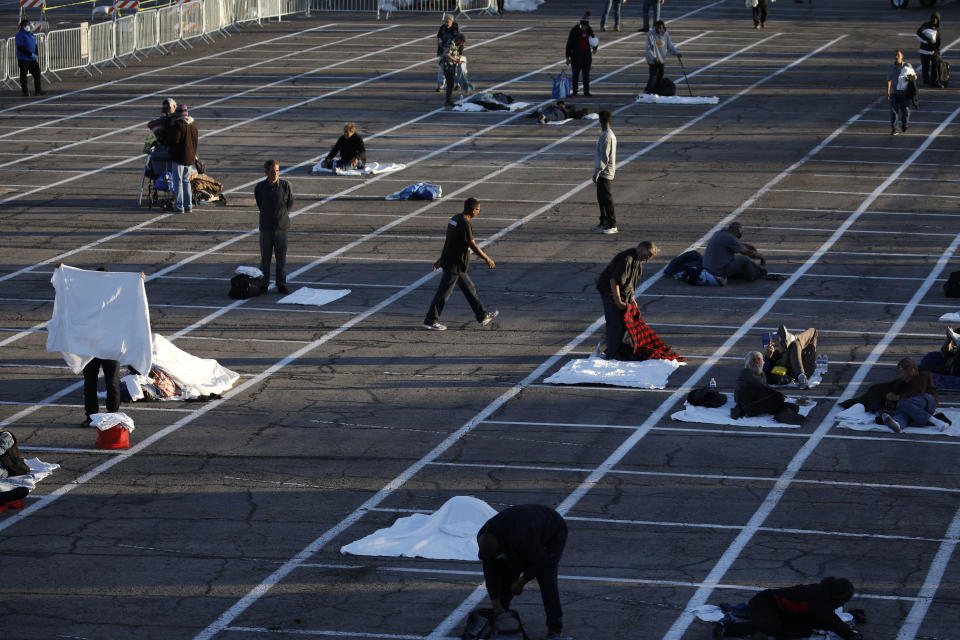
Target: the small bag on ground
pixel 561 85
pixel 666 87
pixel 951 288
pixel 243 286
pixel 11 462
pixel 706 397
pixel 483 624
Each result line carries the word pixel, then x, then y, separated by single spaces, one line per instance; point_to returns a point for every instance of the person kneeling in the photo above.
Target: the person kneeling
pixel 754 398
pixel 353 154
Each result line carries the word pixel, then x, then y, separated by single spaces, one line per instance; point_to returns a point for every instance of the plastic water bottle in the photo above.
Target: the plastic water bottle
pixel 713 383
pixel 826 363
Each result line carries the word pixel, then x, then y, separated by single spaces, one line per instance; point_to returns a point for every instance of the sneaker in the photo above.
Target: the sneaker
pixel 616 28
pixel 954 336
pixel 643 29
pixel 611 230
pixel 905 127
pixel 943 420
pixel 283 289
pixel 434 326
pixel 587 93
pixel 86 423
pixel 894 132
pixel 892 424
pixel 599 352
pixel 721 280
pixel 599 229
pixel 802 381
pixel 603 28
pixel 786 338
pixel 487 319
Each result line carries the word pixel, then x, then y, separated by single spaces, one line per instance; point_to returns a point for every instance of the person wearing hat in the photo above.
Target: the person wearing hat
pixel 28 58
pixel 727 256
pixel 450 61
pixel 445 34
pixel 162 127
pixel 581 45
pixel 183 154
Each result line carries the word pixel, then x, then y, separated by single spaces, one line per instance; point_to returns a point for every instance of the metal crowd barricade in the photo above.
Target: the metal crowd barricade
pixel 169 27
pixel 228 12
pixel 211 17
pixel 268 9
pixel 246 11
pixel 101 45
pixel 191 20
pixel 67 49
pixel 480 6
pixel 126 37
pixel 416 6
pixel 5 73
pixel 289 7
pixel 368 6
pixel 148 30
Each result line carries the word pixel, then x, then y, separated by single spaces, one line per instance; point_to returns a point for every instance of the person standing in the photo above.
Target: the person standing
pixel 581 45
pixel 615 6
pixel 899 76
pixel 183 155
pixel 658 44
pixel 28 59
pixel 450 62
pixel 274 199
pixel 760 9
pixel 445 35
pixel 523 543
pixel 455 260
pixel 929 35
pixel 604 168
pixel 617 285
pixel 648 6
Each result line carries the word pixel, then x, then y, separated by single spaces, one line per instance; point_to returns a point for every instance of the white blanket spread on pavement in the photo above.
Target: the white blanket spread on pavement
pixel 197 376
pixel 450 533
pixel 371 168
pixel 859 419
pixel 474 107
pixel 522 5
pixel 713 613
pixel 953 316
pixel 316 297
pixel 721 415
pixel 646 374
pixel 38 471
pixel 589 116
pixel 99 315
pixel 651 98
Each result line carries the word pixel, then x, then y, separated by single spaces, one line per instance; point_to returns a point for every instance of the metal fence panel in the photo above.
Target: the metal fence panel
pixel 228 11
pixel 464 6
pixel 169 25
pixel 268 8
pixel 126 34
pixel 67 49
pixel 288 7
pixel 343 5
pixel 418 6
pixel 247 11
pixel 6 72
pixel 148 29
pixel 100 38
pixel 211 16
pixel 191 19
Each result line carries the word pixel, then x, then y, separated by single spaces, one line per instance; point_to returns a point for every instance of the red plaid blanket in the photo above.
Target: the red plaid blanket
pixel 647 345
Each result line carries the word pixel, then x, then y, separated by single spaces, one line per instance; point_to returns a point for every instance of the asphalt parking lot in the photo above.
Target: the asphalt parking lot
pixel 225 519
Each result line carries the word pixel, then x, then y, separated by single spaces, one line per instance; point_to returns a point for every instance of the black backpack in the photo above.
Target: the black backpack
pixel 706 397
pixel 483 624
pixel 666 87
pixel 951 288
pixel 243 286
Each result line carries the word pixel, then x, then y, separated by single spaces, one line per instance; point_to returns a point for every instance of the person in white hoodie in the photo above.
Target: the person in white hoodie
pixel 658 45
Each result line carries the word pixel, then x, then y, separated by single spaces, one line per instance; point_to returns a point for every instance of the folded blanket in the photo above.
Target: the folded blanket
pixel 647 374
pixel 38 471
pixel 371 168
pixel 99 315
pixel 450 533
pixel 859 419
pixel 721 415
pixel 655 99
pixel 953 316
pixel 316 297
pixel 253 272
pixel 104 421
pixel 713 613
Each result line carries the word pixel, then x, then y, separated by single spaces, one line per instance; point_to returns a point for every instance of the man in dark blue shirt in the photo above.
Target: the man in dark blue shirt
pixel 517 545
pixel 274 199
pixel 454 260
pixel 28 58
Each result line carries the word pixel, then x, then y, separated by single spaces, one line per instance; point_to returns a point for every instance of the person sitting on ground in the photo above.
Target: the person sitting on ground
pixel 797 353
pixel 793 612
pixel 558 112
pixel 915 398
pixel 754 397
pixel 353 155
pixel 162 127
pixel 727 256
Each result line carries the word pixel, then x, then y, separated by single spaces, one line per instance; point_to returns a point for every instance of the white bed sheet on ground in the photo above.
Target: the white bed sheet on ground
pixel 650 98
pixel 953 316
pixel 522 5
pixel 197 376
pixel 38 471
pixel 859 419
pixel 474 107
pixel 371 168
pixel 721 415
pixel 450 533
pixel 647 374
pixel 713 613
pixel 316 297
pixel 97 314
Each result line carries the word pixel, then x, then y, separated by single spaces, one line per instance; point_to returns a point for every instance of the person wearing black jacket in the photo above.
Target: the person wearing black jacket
pixel 520 544
pixel 929 34
pixel 353 154
pixel 793 612
pixel 183 154
pixel 445 34
pixel 274 199
pixel 581 45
